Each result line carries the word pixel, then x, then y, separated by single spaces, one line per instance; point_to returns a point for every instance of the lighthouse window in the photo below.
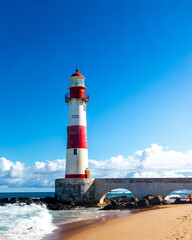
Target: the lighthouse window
pixel 79 82
pixel 75 151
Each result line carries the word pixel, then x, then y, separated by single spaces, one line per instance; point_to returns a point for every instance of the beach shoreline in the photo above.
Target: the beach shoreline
pixel 169 222
pixel 68 229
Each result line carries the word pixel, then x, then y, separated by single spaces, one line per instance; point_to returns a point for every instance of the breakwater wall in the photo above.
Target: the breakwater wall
pixel 94 190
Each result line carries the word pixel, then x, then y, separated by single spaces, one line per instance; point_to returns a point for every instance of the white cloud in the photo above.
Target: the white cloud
pixel 4 166
pixel 10 169
pixel 157 158
pixel 155 161
pixel 17 170
pixel 113 167
pixel 50 166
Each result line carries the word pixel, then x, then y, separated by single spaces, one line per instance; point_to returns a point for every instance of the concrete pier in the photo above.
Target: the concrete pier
pixel 94 190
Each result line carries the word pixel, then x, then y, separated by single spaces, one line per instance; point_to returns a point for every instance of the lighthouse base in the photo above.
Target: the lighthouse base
pixel 79 190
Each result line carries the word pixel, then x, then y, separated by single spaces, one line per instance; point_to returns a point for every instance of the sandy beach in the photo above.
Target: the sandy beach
pixel 166 222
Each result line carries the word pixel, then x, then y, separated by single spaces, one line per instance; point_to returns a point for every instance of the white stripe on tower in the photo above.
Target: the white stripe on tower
pixel 77 112
pixel 77 152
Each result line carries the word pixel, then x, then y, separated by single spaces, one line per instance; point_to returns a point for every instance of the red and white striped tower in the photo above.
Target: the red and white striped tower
pixel 77 152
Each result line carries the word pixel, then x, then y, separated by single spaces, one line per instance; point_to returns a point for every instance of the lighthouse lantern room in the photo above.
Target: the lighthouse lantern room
pixel 77 151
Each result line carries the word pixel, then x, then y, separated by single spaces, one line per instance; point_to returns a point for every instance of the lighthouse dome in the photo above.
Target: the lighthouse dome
pixel 77 74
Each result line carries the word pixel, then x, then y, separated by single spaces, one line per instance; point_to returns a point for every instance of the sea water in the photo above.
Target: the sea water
pixel 34 222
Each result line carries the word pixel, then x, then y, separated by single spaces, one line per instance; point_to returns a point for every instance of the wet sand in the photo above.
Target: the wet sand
pixel 172 222
pixel 68 229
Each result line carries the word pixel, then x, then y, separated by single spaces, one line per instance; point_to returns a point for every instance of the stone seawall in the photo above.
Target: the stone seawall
pixel 94 190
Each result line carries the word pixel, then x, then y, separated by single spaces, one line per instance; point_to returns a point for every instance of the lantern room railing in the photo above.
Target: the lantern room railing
pixel 86 97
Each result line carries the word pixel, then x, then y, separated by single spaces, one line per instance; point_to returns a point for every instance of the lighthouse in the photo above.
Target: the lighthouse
pixel 77 151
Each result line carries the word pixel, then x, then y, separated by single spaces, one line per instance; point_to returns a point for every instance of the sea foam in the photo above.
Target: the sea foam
pixel 27 222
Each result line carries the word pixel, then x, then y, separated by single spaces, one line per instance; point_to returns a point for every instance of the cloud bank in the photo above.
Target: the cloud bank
pixel 155 161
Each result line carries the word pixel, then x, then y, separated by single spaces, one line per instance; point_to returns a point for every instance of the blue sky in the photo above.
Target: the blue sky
pixel 136 57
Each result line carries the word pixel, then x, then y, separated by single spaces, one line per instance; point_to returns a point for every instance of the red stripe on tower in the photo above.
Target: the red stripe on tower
pixel 77 92
pixel 76 137
pixel 75 176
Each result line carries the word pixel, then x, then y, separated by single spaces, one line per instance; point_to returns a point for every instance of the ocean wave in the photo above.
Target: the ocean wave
pixel 171 198
pixel 27 222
